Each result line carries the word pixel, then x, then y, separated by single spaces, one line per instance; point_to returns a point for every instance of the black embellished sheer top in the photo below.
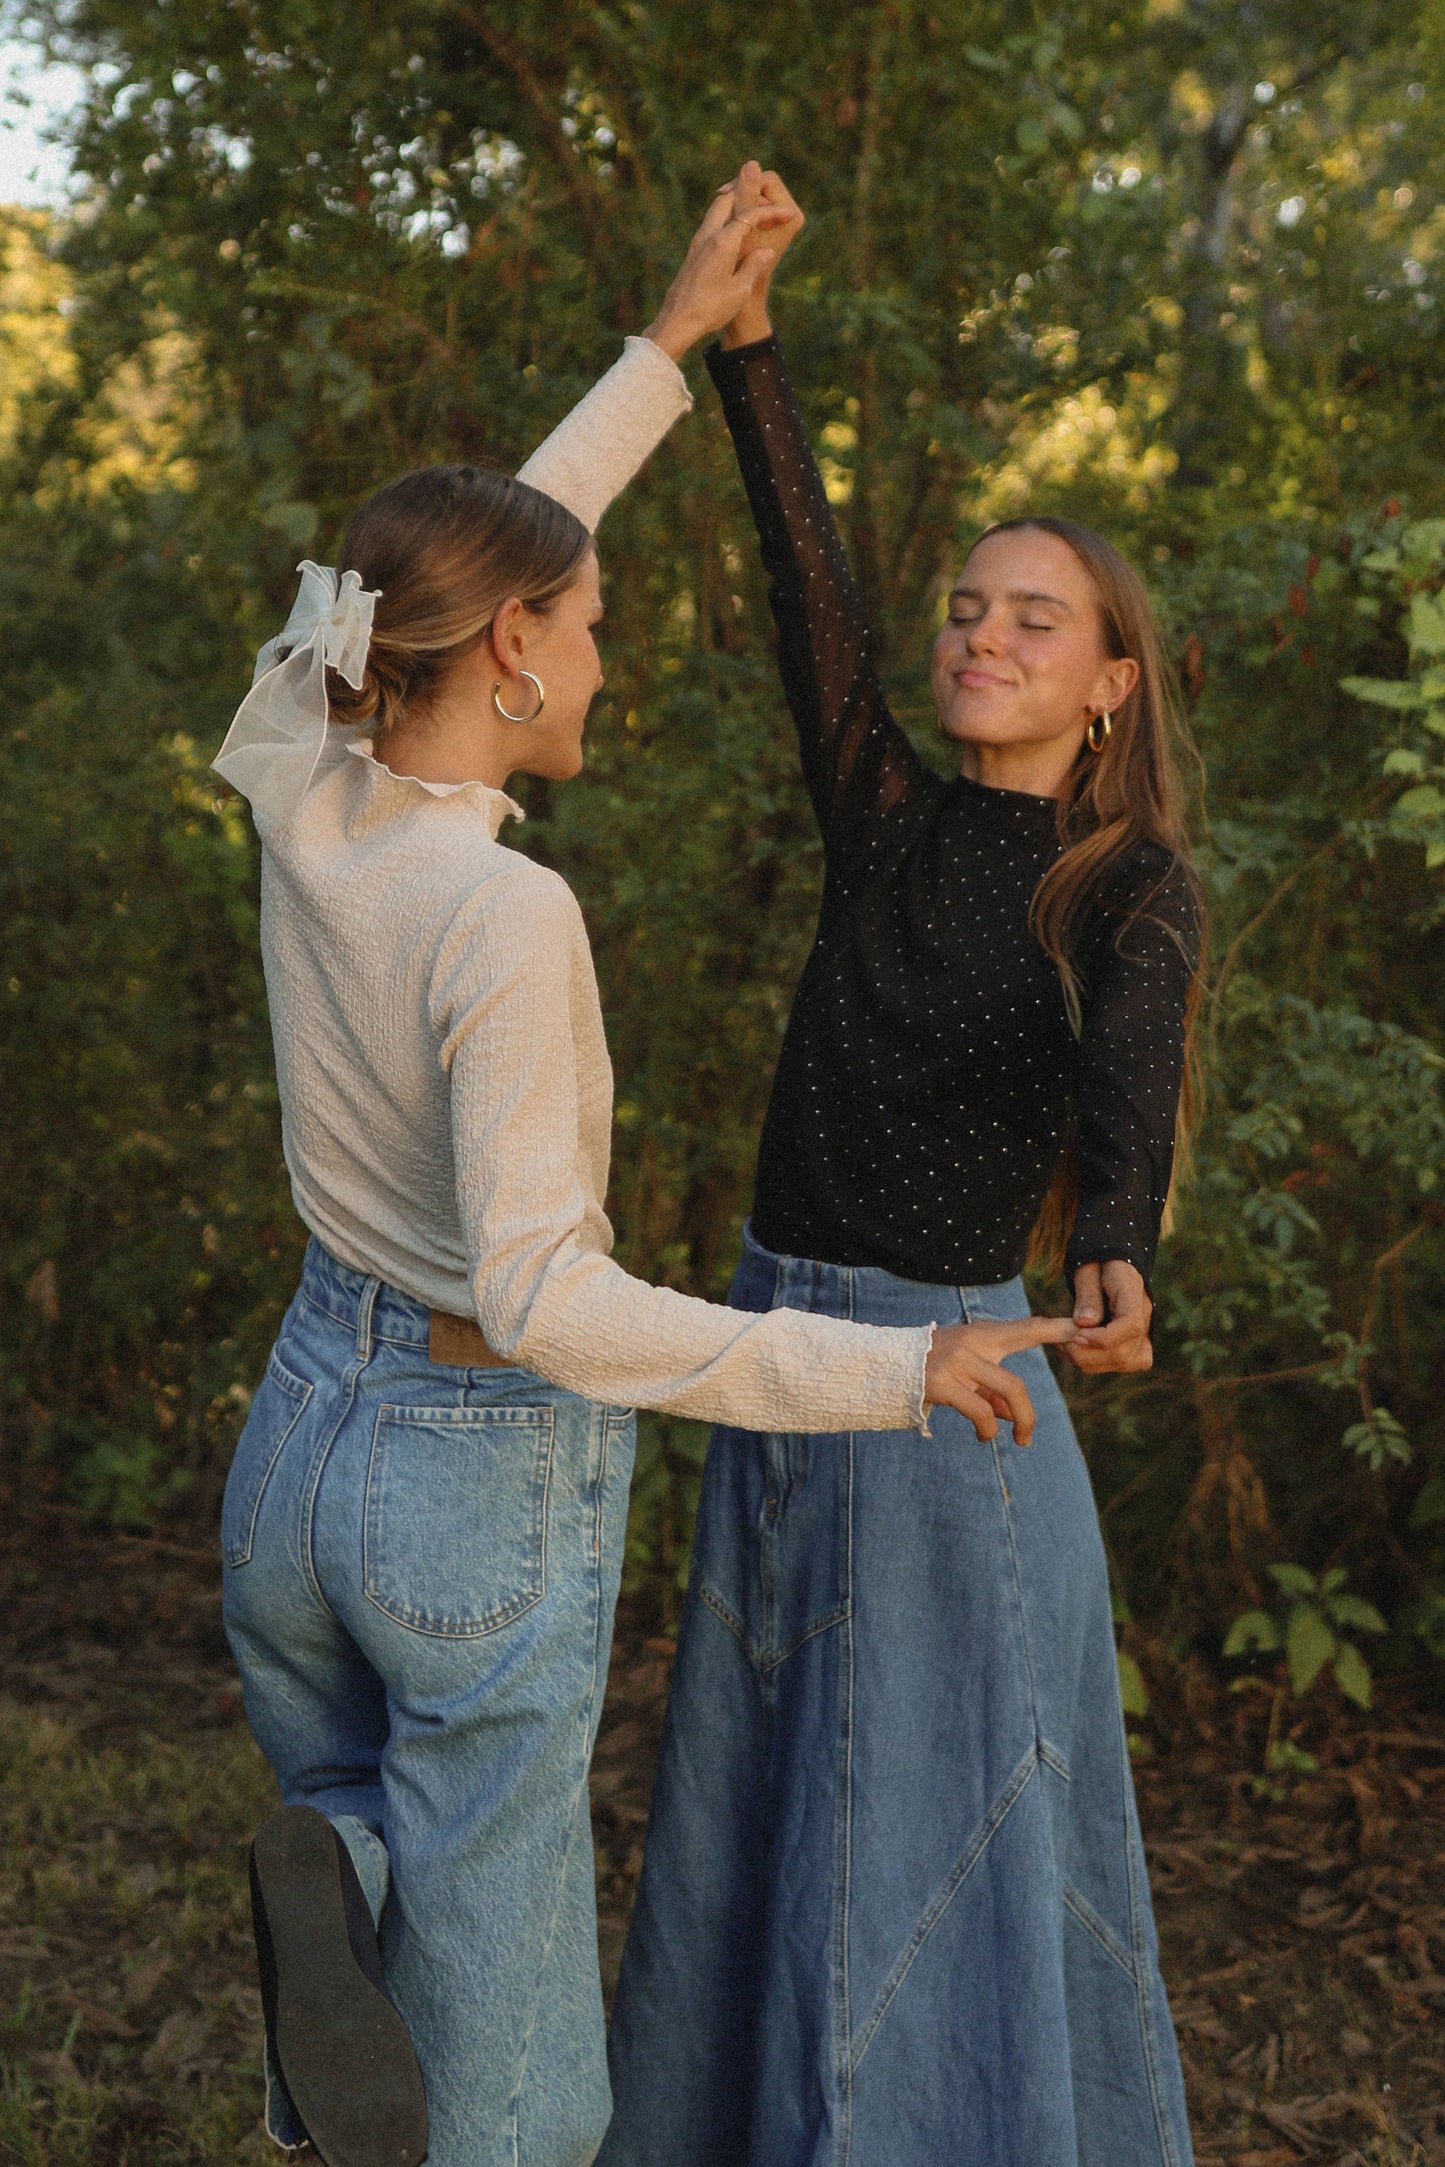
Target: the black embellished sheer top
pixel 929 1081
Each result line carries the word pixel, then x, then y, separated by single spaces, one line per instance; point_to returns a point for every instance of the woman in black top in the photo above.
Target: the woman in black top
pixel 894 1910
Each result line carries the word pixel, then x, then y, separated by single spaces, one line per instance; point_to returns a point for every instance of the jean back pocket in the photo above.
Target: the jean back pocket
pixel 280 1402
pixel 456 1516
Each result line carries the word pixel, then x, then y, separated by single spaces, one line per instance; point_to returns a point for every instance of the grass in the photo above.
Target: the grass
pixel 130 2018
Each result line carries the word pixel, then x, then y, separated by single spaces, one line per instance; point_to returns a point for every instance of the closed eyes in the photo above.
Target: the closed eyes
pixel 1026 624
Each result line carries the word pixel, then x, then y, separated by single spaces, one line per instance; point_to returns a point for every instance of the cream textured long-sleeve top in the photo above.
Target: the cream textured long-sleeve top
pixel 446 1094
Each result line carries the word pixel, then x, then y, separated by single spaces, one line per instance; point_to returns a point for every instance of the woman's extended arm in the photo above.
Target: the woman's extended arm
pixel 594 451
pixel 512 997
pixel 856 760
pixel 1143 953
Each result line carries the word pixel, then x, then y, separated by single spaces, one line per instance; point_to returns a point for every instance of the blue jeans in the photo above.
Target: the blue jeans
pixel 421 1570
pixel 893 1911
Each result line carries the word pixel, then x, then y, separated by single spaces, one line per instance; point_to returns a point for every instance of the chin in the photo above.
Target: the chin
pixel 977 729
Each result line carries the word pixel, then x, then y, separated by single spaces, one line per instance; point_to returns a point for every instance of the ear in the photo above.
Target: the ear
pixel 507 635
pixel 1113 685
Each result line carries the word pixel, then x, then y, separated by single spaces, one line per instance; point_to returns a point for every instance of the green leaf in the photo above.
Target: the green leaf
pixel 1424 538
pixel 1434 721
pixel 978 58
pixel 1429 1506
pixel 1352 1675
pixel 1425 625
pixel 1031 136
pixel 1403 760
pixel 1401 692
pixel 1283 1757
pixel 1434 856
pixel 1382 560
pixel 1378 1439
pixel 1293 1579
pixel 1354 1610
pixel 1425 1620
pixel 1334 1578
pixel 1133 1692
pixel 1424 802
pixel 1308 1646
pixel 1254 1631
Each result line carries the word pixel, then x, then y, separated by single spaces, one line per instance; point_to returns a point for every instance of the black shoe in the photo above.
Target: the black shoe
pixel 335 2035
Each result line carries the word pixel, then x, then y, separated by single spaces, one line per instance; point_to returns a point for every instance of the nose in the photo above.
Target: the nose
pixel 982 636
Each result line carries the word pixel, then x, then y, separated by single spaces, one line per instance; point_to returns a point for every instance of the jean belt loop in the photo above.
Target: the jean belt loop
pixel 363 1319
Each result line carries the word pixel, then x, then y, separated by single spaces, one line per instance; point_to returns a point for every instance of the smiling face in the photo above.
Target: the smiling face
pixel 1022 666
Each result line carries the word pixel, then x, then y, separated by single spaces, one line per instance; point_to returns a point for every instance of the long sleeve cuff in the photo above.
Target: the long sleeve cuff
pixel 594 452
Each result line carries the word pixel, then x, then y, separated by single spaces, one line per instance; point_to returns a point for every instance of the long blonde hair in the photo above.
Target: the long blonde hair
pixel 1132 791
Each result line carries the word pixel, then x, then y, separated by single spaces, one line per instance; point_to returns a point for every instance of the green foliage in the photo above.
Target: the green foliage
pixel 1311 1626
pixel 1411 571
pixel 1173 270
pixel 1133 1693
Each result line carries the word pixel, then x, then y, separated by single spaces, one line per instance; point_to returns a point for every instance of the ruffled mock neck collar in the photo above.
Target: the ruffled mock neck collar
pixel 495 805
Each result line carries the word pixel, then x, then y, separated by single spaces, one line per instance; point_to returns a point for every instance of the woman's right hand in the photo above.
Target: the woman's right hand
pixel 751 191
pixel 965 1371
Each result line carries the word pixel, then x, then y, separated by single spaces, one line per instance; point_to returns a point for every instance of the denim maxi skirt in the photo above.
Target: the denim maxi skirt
pixel 421 1570
pixel 893 1911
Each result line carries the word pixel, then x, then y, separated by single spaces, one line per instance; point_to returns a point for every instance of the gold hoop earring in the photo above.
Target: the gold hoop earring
pixel 1097 744
pixel 506 713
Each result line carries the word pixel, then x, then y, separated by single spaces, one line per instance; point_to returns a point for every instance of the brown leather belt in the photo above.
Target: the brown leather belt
pixel 459 1340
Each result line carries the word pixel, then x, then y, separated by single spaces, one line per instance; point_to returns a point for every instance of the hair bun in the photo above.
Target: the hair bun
pixel 378 699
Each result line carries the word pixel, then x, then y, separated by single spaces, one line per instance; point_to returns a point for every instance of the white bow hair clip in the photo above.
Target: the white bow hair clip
pixel 278 734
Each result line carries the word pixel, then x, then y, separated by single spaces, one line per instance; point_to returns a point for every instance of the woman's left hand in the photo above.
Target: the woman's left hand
pixel 1112 1311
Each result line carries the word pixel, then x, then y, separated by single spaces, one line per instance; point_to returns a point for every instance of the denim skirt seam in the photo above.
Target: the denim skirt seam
pixel 952 1882
pixel 1087 1917
pixel 1168 2154
pixel 729 1618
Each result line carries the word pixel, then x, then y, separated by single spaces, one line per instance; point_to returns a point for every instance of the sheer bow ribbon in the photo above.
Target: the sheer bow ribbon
pixel 278 734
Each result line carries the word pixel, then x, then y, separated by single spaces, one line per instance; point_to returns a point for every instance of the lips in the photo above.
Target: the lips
pixel 978 680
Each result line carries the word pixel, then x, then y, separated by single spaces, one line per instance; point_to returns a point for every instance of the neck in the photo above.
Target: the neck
pixel 1041 770
pixel 447 744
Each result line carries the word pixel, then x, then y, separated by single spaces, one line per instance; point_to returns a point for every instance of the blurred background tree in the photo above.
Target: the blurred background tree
pixel 1172 266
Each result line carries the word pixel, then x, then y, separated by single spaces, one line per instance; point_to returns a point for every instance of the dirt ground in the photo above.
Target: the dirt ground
pixel 1303 1919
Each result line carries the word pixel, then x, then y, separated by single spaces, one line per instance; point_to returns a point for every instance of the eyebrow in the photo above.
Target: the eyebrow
pixel 1016 594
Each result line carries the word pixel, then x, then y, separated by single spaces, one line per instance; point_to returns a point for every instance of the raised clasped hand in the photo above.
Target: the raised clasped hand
pixel 731 256
pixel 755 189
pixel 1113 1312
pixel 965 1371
